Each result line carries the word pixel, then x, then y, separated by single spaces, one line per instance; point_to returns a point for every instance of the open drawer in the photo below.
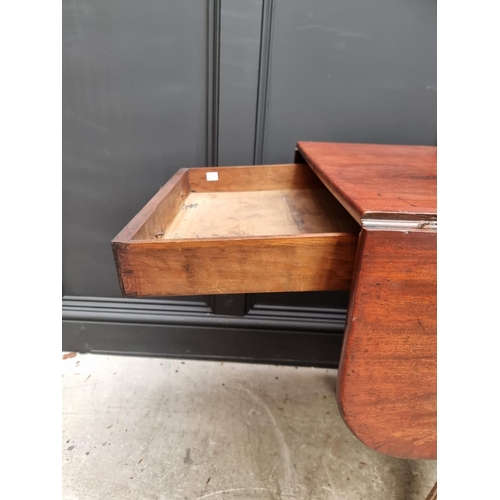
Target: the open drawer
pixel 270 228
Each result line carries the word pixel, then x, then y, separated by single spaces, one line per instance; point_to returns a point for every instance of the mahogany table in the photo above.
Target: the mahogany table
pixel 358 217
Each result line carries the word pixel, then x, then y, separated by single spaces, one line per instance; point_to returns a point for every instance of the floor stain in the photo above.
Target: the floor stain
pixel 187 458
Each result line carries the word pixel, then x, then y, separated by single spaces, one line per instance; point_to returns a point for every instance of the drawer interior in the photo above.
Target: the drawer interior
pixel 240 202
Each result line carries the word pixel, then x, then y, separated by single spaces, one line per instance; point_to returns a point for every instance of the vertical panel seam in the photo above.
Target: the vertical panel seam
pixel 213 81
pixel 266 36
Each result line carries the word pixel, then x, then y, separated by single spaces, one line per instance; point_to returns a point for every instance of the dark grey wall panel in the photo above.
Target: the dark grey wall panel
pixel 240 25
pixel 152 86
pixel 351 70
pixel 134 111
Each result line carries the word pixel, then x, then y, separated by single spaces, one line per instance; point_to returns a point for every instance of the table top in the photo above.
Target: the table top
pixel 377 181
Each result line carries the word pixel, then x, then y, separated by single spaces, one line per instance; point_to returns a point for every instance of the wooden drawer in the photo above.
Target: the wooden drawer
pixel 270 228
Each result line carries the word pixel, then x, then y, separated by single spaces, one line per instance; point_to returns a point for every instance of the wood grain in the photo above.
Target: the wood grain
pixel 377 181
pixel 159 211
pixel 386 386
pixel 254 178
pixel 259 213
pixel 236 265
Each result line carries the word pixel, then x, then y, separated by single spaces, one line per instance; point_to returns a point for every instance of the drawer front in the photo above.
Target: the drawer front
pixel 273 264
pixel 251 230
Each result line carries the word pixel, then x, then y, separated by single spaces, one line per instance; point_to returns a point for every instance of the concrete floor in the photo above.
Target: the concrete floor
pixel 148 428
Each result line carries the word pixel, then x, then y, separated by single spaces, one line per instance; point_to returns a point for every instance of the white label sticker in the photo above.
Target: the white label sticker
pixel 212 176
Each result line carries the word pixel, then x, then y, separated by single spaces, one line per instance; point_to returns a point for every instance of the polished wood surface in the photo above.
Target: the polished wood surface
pixel 256 229
pixel 386 384
pixel 375 181
pixel 386 387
